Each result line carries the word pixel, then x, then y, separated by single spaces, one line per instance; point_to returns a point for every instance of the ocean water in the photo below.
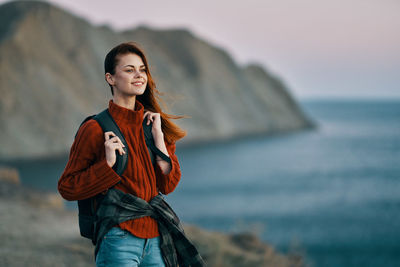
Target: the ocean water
pixel 332 193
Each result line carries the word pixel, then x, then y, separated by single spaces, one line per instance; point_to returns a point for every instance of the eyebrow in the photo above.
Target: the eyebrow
pixel 133 66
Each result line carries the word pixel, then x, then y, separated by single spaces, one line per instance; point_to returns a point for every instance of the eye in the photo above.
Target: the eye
pixel 130 70
pixel 143 70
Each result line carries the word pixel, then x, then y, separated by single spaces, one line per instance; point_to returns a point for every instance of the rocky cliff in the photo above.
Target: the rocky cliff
pixel 51 78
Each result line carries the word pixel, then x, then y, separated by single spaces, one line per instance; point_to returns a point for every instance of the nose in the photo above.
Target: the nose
pixel 137 73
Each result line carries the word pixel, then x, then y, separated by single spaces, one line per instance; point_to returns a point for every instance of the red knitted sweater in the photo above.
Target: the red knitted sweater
pixel 88 174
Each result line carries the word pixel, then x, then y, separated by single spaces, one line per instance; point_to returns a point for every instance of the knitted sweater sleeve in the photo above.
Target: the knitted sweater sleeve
pixel 167 183
pixel 87 172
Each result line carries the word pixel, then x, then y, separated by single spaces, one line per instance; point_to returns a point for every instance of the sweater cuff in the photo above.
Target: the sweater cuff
pixel 166 176
pixel 107 176
pixel 168 182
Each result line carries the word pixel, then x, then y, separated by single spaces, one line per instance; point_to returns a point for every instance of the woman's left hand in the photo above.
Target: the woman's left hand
pixel 155 118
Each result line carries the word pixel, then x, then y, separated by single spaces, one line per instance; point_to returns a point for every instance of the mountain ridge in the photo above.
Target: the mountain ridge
pixel 51 77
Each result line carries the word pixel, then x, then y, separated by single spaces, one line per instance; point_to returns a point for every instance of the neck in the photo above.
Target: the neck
pixel 126 102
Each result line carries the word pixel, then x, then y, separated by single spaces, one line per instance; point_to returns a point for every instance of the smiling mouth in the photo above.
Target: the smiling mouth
pixel 138 83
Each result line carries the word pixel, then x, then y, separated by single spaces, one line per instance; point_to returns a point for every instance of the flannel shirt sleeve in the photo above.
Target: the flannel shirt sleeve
pixel 167 183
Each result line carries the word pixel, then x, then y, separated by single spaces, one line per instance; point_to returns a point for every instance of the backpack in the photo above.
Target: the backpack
pixel 87 207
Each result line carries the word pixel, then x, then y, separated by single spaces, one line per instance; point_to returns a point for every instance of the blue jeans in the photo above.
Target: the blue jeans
pixel 121 248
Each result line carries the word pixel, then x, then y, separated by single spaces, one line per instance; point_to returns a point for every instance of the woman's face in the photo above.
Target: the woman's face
pixel 130 76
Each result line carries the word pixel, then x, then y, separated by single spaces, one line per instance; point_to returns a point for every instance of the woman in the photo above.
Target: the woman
pixel 93 154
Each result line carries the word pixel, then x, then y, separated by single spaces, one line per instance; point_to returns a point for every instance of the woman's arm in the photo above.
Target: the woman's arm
pixel 168 175
pixel 160 144
pixel 87 172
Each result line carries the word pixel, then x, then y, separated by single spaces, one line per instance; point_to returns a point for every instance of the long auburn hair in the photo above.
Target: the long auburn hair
pixel 151 97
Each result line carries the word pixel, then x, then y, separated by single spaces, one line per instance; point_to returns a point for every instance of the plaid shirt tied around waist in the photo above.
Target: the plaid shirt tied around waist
pixel 117 207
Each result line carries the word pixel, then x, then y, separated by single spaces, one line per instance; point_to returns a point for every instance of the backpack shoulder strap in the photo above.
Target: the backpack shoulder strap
pixel 107 123
pixel 87 207
pixel 150 143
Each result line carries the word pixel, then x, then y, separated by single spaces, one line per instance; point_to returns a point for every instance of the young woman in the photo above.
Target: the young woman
pixel 93 154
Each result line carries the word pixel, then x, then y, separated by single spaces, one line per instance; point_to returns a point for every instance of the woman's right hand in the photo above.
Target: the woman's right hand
pixel 112 144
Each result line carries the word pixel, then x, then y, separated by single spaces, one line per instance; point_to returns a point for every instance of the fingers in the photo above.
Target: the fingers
pixel 108 135
pixel 115 147
pixel 112 137
pixel 113 142
pixel 151 116
pixel 121 151
pixel 118 147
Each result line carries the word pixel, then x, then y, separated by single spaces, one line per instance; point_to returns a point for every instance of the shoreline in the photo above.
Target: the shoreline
pixel 38 231
pixel 181 144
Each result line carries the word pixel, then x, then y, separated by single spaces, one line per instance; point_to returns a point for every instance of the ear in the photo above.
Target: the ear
pixel 109 78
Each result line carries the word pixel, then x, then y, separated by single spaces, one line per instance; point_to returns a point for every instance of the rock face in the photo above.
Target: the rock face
pixel 51 78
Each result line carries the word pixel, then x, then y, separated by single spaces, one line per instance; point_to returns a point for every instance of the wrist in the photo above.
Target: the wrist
pixel 110 163
pixel 158 158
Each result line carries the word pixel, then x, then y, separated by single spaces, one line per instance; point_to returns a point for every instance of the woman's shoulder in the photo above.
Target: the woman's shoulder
pixel 89 129
pixel 89 139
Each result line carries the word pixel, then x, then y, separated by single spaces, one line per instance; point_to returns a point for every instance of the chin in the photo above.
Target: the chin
pixel 141 92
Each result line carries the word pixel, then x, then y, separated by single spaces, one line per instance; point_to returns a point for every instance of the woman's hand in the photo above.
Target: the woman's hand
pixel 112 144
pixel 155 118
pixel 158 137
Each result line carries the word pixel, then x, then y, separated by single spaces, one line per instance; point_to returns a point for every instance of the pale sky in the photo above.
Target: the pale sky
pixel 321 48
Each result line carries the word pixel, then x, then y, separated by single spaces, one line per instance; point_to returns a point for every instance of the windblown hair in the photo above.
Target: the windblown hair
pixel 151 96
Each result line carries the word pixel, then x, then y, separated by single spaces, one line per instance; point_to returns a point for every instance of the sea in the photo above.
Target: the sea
pixel 331 193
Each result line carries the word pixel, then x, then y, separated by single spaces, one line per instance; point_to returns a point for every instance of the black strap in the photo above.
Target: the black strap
pixel 158 152
pixel 150 144
pixel 107 123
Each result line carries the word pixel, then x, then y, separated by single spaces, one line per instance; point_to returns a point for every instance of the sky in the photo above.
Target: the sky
pixel 320 48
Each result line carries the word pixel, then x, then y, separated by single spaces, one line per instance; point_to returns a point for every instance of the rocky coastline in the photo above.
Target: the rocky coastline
pixel 37 230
